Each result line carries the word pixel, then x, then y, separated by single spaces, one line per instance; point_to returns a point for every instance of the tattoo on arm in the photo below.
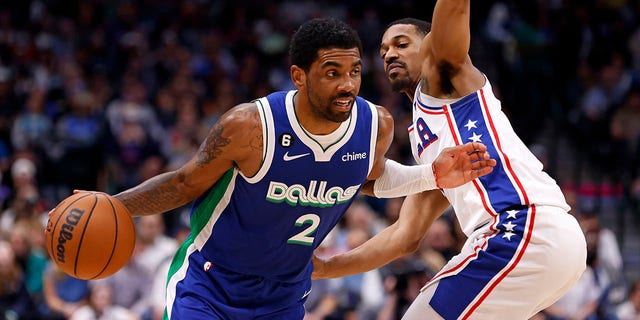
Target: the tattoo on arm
pixel 255 143
pixel 156 195
pixel 211 148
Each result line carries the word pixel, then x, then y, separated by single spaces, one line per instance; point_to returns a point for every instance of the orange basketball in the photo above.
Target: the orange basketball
pixel 90 235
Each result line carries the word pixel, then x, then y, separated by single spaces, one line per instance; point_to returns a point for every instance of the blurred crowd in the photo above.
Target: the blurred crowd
pixel 101 95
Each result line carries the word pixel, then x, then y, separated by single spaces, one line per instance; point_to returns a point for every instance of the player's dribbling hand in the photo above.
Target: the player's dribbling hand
pixel 458 165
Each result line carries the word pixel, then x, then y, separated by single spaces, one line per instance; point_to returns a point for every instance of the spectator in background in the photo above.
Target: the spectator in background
pixel 26 203
pixel 443 237
pixel 223 96
pixel 165 107
pixel 599 102
pixel 135 281
pixel 155 246
pixel 403 279
pixel 630 308
pixel 359 216
pixel 158 292
pixel 15 301
pixel 63 294
pixel 441 242
pixel 159 285
pixel 357 296
pixel 27 241
pixel 132 105
pixel 5 194
pixel 131 148
pixel 80 138
pixel 608 264
pixel 625 132
pixel 32 129
pixel 101 307
pixel 182 138
pixel 23 171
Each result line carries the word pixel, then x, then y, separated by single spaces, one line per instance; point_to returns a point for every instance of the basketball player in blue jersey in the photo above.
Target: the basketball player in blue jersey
pixel 524 250
pixel 275 175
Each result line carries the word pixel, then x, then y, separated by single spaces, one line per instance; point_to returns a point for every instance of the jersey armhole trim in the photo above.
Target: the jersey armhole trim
pixel 268 138
pixel 374 134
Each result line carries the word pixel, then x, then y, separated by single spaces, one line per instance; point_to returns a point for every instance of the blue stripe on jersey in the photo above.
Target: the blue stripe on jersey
pixel 271 227
pixel 501 193
pixel 471 125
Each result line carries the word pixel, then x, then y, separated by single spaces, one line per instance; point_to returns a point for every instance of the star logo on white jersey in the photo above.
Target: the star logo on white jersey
pixel 287 157
pixel 471 124
pixel 476 137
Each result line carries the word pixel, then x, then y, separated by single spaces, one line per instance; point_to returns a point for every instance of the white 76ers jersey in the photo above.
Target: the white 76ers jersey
pixel 516 181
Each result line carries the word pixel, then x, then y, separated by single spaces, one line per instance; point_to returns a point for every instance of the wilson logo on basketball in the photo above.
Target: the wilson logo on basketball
pixel 66 232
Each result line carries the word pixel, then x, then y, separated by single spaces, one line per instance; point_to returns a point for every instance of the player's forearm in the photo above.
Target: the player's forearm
pixel 402 237
pixel 156 195
pixel 398 180
pixel 451 21
pixel 376 252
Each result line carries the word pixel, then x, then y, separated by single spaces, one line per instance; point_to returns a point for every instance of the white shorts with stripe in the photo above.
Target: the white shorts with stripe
pixel 501 274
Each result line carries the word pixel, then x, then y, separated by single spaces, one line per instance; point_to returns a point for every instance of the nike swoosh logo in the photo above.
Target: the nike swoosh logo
pixel 287 157
pixel 306 294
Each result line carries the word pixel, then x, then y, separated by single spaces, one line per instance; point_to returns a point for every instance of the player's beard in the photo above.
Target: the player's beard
pixel 401 83
pixel 324 108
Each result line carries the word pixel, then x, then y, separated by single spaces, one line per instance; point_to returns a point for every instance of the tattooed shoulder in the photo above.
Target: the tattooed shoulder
pixel 213 144
pixel 243 123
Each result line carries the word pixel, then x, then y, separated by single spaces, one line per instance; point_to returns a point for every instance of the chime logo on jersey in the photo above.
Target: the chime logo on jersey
pixel 353 156
pixel 314 195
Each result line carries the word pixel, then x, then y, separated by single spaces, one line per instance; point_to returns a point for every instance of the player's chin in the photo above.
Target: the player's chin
pixel 397 74
pixel 340 115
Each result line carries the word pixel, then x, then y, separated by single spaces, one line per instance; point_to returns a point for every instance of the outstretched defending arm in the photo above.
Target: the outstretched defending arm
pixel 450 21
pixel 403 237
pixel 447 68
pixel 454 167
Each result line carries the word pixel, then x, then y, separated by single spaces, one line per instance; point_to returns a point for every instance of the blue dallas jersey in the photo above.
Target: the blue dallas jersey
pixel 269 224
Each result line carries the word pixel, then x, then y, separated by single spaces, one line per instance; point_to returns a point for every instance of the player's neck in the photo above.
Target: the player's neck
pixel 411 90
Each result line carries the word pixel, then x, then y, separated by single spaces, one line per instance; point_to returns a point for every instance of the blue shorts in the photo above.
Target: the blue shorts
pixel 217 293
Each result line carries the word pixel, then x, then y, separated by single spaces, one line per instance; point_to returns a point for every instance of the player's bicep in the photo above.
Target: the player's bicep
pixel 223 147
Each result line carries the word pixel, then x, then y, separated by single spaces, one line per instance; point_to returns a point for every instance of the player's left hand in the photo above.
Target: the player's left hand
pixel 458 165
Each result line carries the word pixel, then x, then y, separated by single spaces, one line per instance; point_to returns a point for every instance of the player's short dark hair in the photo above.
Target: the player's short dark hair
pixel 423 27
pixel 321 33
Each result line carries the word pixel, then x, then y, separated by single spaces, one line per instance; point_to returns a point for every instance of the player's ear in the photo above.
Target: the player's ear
pixel 298 76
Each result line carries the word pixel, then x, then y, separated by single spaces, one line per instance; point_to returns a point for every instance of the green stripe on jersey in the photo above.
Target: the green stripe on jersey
pixel 198 221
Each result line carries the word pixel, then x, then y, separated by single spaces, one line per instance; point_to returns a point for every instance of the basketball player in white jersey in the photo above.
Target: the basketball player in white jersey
pixel 275 175
pixel 524 250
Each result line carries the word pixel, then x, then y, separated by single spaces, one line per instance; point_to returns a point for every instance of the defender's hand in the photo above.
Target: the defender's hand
pixel 458 165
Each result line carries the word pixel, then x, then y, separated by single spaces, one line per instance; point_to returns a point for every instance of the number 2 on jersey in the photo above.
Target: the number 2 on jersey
pixel 305 237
